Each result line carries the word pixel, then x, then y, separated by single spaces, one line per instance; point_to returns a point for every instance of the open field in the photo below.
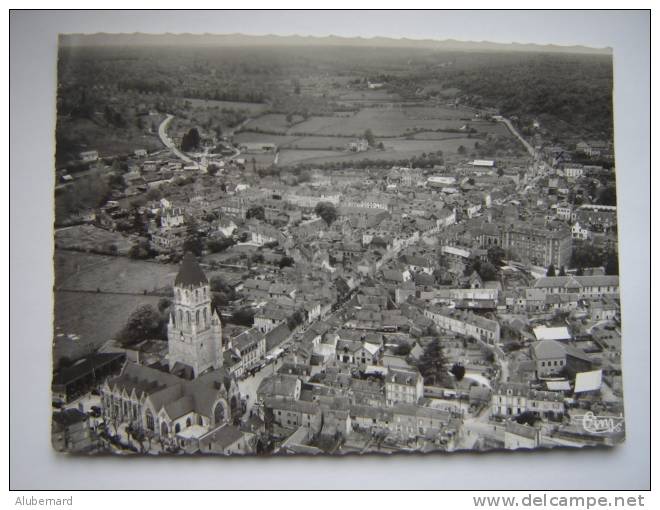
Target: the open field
pixel 89 237
pixel 435 135
pixel 86 271
pixel 395 149
pixel 368 96
pixel 84 318
pixel 438 112
pixel 84 134
pixel 269 122
pixel 261 160
pixel 293 157
pixel 251 108
pixel 448 145
pixel 250 137
pixel 382 122
pixel 295 142
pixel 88 320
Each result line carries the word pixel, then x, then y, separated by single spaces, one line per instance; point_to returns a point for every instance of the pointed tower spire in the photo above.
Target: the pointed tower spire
pixel 190 274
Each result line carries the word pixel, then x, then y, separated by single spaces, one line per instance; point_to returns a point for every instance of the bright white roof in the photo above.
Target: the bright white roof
pixel 371 348
pixel 557 333
pixel 194 431
pixel 588 381
pixel 483 162
pixel 456 251
pixel 442 179
pixel 558 385
pixel 374 369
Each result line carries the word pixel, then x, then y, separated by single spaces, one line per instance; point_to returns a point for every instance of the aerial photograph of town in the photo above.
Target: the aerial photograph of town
pixel 281 245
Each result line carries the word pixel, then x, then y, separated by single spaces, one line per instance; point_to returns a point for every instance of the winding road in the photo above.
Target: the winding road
pixel 167 142
pixel 515 133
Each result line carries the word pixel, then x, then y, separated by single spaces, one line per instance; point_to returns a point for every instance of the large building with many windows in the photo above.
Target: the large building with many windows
pixel 539 246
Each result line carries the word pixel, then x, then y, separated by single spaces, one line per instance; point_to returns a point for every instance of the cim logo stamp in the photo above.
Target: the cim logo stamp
pixel 601 424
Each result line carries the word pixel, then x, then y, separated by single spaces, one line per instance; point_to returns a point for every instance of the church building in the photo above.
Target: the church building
pixel 193 393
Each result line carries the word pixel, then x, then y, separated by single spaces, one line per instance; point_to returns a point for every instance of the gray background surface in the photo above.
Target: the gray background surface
pixel 33 465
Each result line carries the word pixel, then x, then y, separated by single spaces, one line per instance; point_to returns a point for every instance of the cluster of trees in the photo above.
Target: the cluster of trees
pixel 421 161
pixel 221 293
pixel 85 193
pixel 369 137
pixel 432 363
pixel 257 212
pixel 551 271
pixel 191 140
pixel 569 91
pixel 327 211
pixel 145 85
pixel 113 117
pixel 486 270
pixel 146 323
pixel 219 244
pixel 496 256
pixel 141 251
pixel 588 255
pixel 607 195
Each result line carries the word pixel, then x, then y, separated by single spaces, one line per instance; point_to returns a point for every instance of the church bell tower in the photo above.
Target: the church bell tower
pixel 194 332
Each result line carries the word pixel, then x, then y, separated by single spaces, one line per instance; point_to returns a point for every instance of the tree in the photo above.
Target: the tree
pixel 562 271
pixel 286 262
pixel 191 140
pixel 487 271
pixel 586 255
pixel 295 320
pixel 327 211
pixel 496 255
pixel 527 418
pixel 154 194
pixel 458 370
pixel 164 304
pixel 551 270
pixel 256 212
pixel 212 169
pixel 144 323
pixel 402 349
pixel 140 251
pixel 369 136
pixel 194 245
pixel 461 150
pixel 612 263
pixel 607 196
pixel 500 171
pixel 244 316
pixel 432 363
pixel 219 244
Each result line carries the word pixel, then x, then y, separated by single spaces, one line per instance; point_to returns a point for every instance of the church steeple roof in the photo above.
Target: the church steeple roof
pixel 190 274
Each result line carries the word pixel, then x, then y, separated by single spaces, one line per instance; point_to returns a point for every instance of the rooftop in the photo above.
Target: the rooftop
pixel 190 274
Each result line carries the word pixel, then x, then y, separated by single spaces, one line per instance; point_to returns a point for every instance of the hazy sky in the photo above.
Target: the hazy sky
pixel 589 28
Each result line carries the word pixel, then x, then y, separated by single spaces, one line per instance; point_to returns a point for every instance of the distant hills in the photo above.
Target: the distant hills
pixel 235 40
